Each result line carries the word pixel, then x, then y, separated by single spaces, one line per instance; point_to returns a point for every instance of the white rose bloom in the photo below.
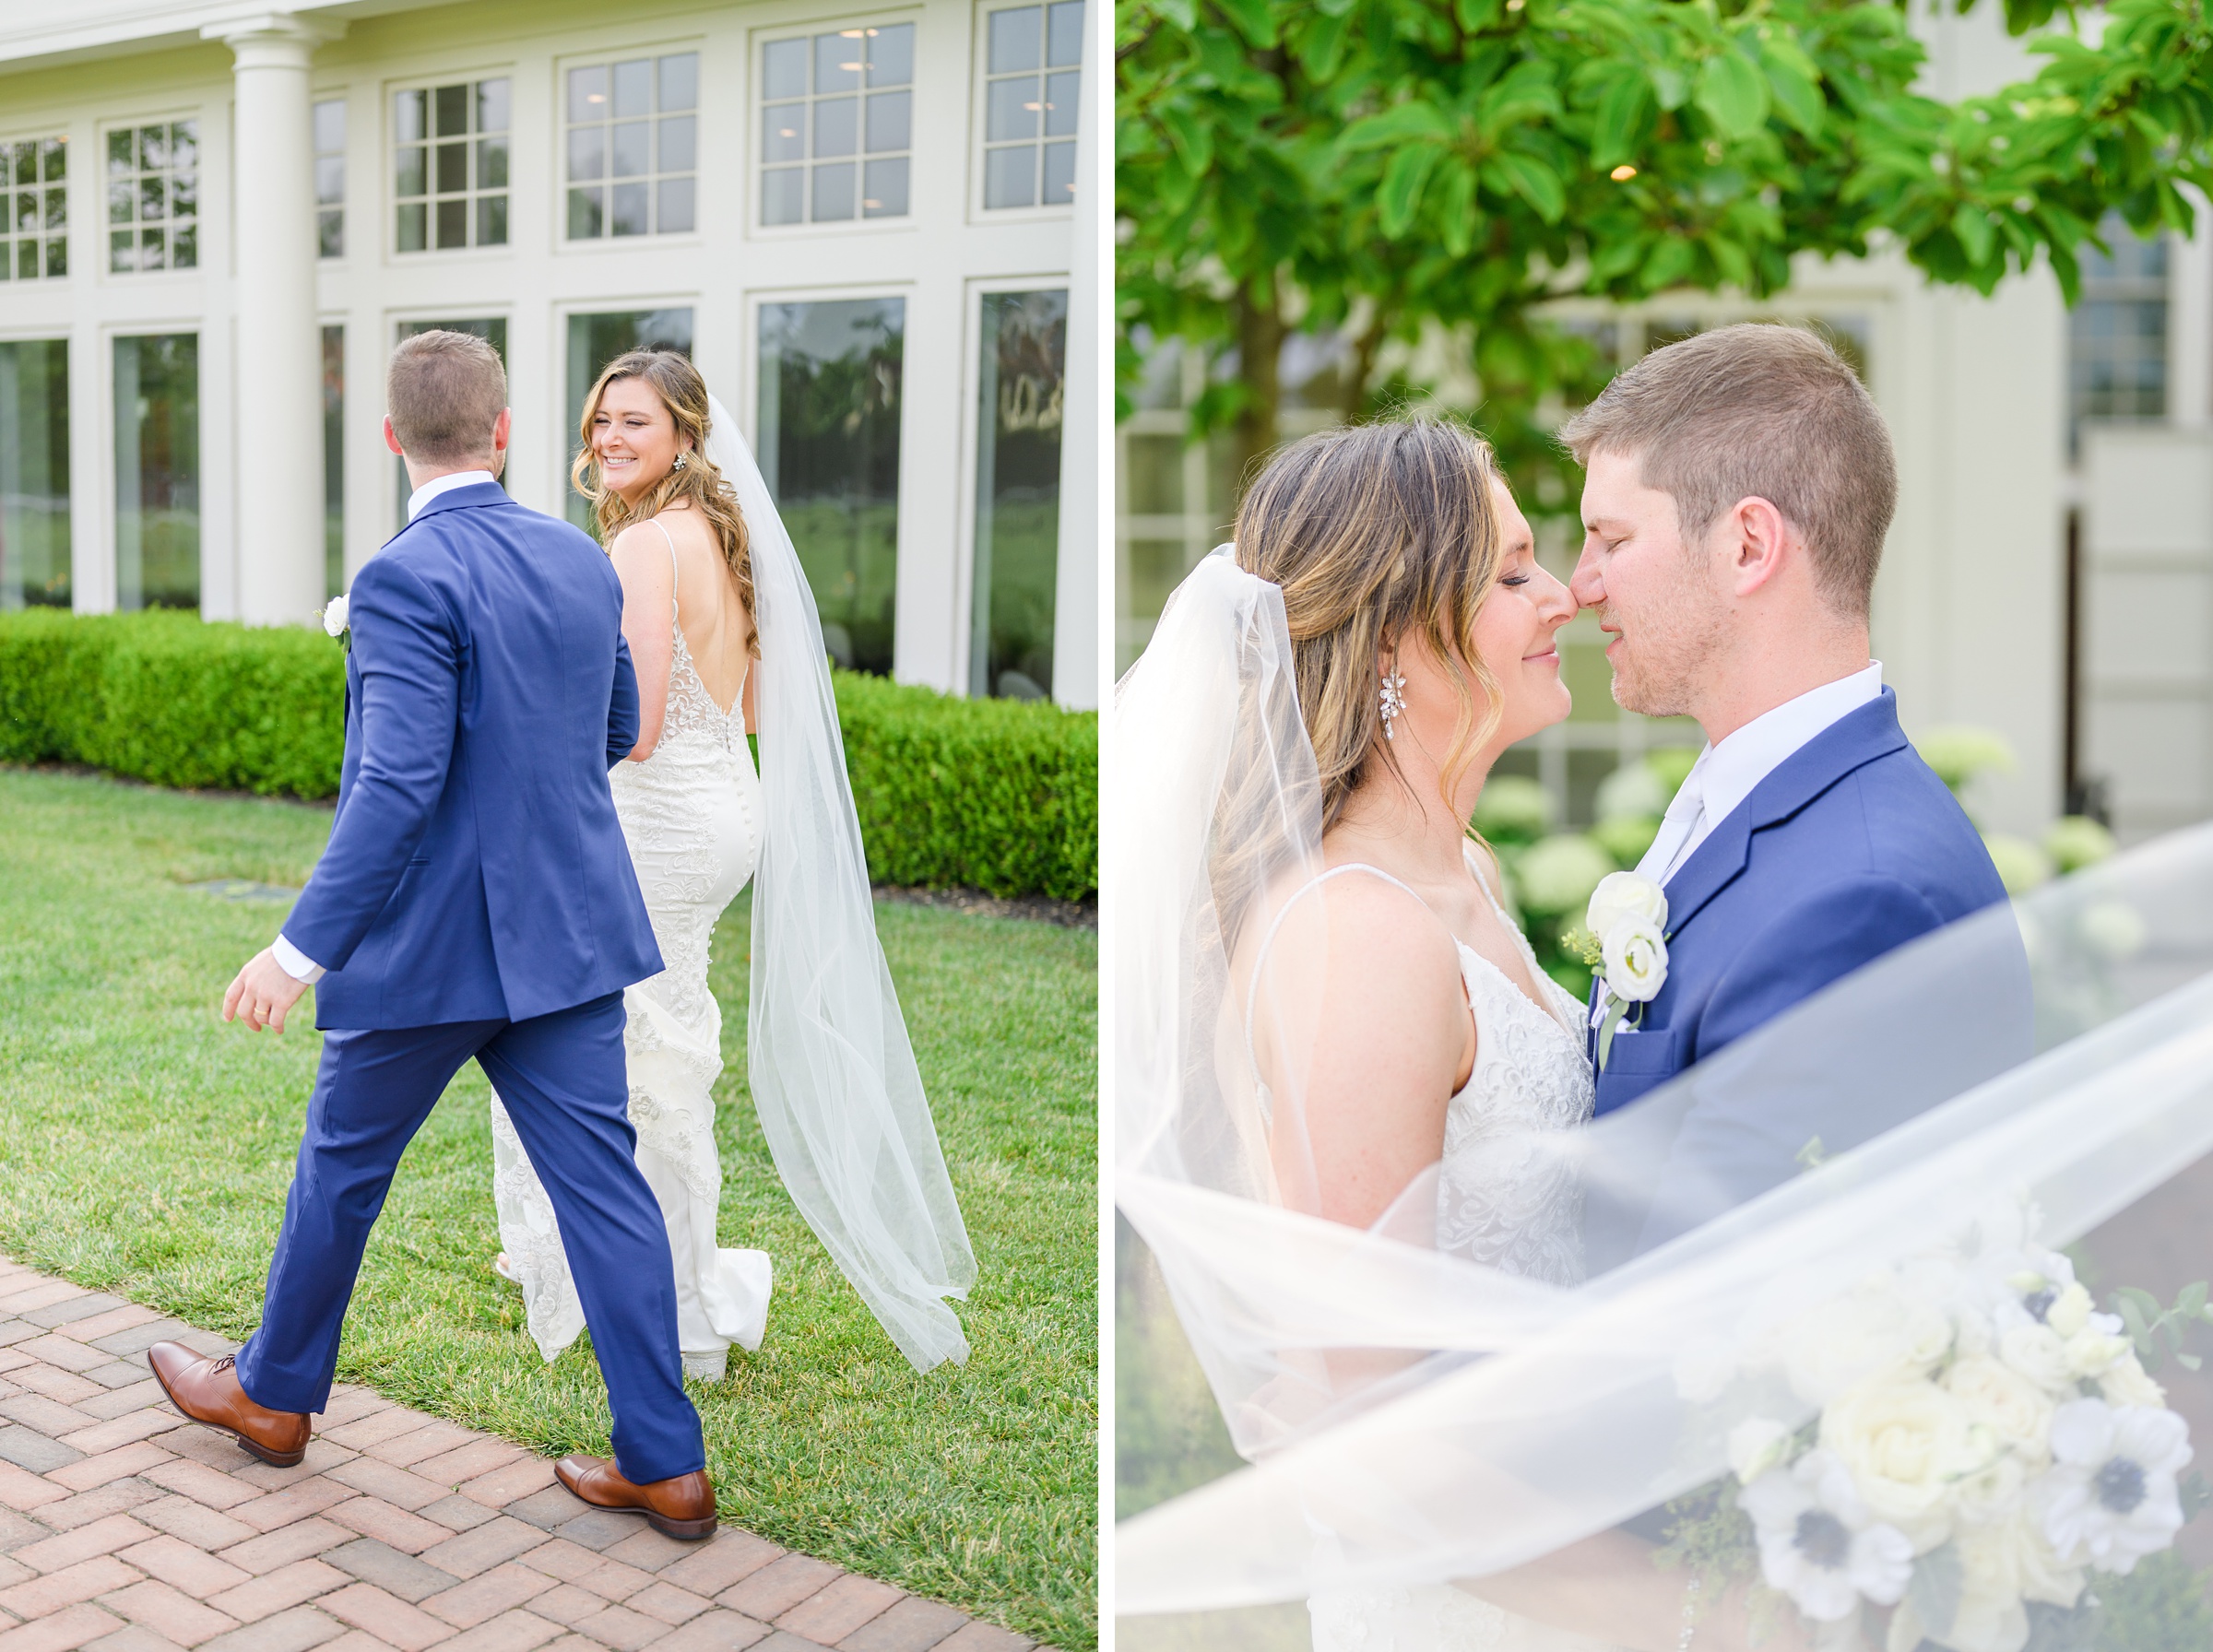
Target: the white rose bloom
pixel 2110 1498
pixel 1636 959
pixel 2124 1383
pixel 1819 1544
pixel 1906 1443
pixel 1874 1331
pixel 333 616
pixel 2017 1411
pixel 1755 1446
pixel 1625 895
pixel 2038 1353
pixel 2093 1351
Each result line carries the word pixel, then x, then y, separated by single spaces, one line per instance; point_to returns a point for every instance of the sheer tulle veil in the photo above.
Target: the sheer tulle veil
pixel 2052 1056
pixel 833 1074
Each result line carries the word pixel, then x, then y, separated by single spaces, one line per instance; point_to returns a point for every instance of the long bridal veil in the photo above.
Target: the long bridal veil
pixel 833 1074
pixel 2036 1078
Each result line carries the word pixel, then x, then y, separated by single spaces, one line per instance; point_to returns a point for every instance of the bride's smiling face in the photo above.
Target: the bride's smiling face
pixel 633 438
pixel 1516 632
pixel 1515 637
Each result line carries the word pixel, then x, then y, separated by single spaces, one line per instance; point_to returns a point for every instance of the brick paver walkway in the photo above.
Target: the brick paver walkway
pixel 125 1529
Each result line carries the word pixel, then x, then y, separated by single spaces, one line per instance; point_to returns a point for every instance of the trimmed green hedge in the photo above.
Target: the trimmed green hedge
pixel 985 794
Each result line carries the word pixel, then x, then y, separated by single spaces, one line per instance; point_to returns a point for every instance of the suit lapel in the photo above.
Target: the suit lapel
pixel 1850 742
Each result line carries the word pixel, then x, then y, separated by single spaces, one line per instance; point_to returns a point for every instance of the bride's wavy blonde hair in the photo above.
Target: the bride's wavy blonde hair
pixel 1377 534
pixel 699 480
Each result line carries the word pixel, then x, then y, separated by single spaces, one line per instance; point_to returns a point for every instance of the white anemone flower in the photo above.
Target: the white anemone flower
pixel 333 616
pixel 2109 1497
pixel 1819 1545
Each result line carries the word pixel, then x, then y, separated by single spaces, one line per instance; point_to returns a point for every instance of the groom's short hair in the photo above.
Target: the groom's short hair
pixel 1758 411
pixel 444 391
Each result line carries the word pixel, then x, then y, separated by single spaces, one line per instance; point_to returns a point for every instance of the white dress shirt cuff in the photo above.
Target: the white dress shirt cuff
pixel 296 963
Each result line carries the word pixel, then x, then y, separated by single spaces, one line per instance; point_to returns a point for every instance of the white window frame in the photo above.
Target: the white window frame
pixel 348 221
pixel 700 47
pixel 979 75
pixel 387 194
pixel 71 236
pixel 98 192
pixel 972 389
pixel 757 161
pixel 201 327
pixel 909 294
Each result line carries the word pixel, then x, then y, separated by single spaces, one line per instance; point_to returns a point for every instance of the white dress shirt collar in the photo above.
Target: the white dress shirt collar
pixel 445 484
pixel 1726 774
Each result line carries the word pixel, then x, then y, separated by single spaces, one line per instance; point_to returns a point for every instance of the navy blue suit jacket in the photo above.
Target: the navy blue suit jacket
pixel 1852 847
pixel 475 870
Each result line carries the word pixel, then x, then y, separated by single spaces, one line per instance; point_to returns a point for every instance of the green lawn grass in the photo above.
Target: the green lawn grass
pixel 145 1149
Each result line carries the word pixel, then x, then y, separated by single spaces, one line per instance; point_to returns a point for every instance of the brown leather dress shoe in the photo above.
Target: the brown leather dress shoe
pixel 682 1507
pixel 208 1391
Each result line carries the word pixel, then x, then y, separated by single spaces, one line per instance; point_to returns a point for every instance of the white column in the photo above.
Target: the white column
pixel 1087 379
pixel 2190 324
pixel 277 396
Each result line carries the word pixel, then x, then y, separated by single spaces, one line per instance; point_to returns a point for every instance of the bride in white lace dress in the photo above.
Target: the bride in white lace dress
pixel 708 577
pixel 1404 1046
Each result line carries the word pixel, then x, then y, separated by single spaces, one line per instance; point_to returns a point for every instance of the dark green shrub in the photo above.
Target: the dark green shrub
pixel 988 793
pixel 995 795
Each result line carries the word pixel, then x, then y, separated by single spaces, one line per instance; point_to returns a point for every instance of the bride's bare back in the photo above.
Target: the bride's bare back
pixel 718 631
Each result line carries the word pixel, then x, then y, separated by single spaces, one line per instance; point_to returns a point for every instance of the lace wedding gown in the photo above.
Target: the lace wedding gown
pixel 692 815
pixel 1500 1203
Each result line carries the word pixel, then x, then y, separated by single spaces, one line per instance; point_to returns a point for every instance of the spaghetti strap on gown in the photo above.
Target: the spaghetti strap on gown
pixel 692 815
pixel 1502 1202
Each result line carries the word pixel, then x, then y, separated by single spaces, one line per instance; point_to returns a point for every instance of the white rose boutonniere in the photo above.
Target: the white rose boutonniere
pixel 336 623
pixel 1627 919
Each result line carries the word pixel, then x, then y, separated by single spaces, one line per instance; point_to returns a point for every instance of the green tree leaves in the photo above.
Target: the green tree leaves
pixel 1395 168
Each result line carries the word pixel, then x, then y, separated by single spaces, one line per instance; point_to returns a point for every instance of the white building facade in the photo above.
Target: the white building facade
pixel 859 221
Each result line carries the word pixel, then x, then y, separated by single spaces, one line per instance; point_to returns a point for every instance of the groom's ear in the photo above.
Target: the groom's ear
pixel 391 437
pixel 1760 543
pixel 501 428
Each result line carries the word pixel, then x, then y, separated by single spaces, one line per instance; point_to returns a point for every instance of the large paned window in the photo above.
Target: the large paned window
pixel 837 120
pixel 829 448
pixel 450 165
pixel 1033 82
pixel 154 196
pixel 634 146
pixel 594 341
pixel 1018 493
pixel 493 329
pixel 34 208
pixel 158 471
pixel 2117 333
pixel 334 460
pixel 34 474
pixel 331 178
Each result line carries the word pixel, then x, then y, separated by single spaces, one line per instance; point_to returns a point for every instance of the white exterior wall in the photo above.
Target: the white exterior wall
pixel 110 62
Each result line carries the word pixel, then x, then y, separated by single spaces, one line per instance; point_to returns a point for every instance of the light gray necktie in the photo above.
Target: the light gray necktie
pixel 1675 827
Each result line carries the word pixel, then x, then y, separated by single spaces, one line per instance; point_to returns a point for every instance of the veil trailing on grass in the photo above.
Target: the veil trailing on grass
pixel 1865 1203
pixel 833 1074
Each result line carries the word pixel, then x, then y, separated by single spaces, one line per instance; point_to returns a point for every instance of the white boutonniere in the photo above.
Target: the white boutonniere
pixel 336 623
pixel 1626 924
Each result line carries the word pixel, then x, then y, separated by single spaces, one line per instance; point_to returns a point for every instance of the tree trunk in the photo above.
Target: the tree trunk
pixel 1353 403
pixel 1260 315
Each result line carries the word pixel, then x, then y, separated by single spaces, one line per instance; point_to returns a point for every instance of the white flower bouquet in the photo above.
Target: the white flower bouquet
pixel 1985 1447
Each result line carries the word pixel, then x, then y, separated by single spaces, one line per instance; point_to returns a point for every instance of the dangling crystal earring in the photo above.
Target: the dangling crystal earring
pixel 677 464
pixel 1393 697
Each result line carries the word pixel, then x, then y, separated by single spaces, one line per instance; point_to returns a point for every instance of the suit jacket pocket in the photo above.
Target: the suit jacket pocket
pixel 1649 1053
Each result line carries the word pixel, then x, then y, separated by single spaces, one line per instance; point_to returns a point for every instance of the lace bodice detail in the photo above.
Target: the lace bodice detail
pixel 1502 1199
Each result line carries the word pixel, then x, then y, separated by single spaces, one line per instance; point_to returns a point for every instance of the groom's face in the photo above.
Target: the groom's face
pixel 1654 595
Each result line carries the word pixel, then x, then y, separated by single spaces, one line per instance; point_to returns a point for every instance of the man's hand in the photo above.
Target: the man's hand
pixel 262 993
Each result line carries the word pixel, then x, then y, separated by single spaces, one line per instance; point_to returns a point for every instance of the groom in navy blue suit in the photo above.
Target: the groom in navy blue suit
pixel 475 900
pixel 1740 484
